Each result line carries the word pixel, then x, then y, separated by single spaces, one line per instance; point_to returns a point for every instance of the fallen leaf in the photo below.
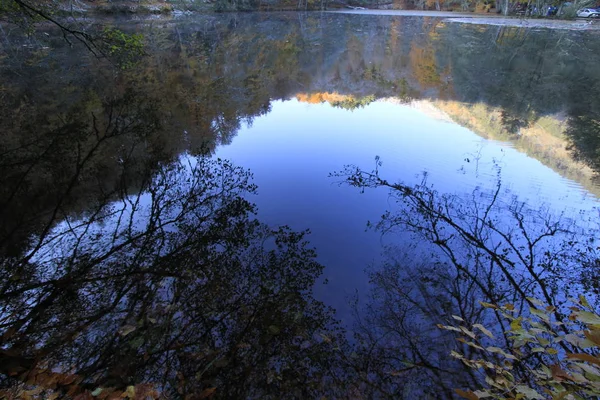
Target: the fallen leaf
pixel 584 357
pixel 559 374
pixel 206 393
pixel 466 394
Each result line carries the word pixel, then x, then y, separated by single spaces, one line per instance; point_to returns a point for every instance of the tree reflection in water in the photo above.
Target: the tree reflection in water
pixel 166 280
pixel 462 252
pixel 132 262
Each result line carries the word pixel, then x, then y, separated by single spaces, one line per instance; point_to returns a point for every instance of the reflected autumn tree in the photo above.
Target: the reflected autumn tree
pixel 75 130
pixel 130 266
pixel 583 133
pixel 57 164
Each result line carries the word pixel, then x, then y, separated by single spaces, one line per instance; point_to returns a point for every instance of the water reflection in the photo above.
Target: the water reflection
pixel 174 291
pixel 207 76
pixel 129 256
pixel 291 171
pixel 467 251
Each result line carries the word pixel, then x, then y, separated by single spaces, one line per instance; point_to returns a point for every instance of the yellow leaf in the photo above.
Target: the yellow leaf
pixel 468 332
pixel 592 373
pixel 538 350
pixel 470 343
pixel 516 325
pixel 129 393
pixel 498 350
pixel 560 395
pixel 587 317
pixel 488 305
pixel 529 392
pixel 539 314
pixel 543 341
pixel 274 330
pixel 126 330
pixel 536 302
pixel 448 328
pixel 583 301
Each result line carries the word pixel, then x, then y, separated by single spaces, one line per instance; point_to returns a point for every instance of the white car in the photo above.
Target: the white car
pixel 588 13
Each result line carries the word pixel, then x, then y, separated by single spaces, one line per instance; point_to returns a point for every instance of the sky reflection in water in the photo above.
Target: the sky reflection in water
pixel 293 149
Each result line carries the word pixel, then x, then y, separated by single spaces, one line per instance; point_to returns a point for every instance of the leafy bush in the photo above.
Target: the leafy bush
pixel 124 48
pixel 553 359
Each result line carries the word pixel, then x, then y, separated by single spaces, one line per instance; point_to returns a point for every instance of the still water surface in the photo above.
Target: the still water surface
pixel 293 149
pixel 99 176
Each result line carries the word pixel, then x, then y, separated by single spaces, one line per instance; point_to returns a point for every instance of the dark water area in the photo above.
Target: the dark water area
pixel 177 222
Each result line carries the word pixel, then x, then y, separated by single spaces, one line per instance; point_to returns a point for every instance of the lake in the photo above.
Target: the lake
pixel 133 184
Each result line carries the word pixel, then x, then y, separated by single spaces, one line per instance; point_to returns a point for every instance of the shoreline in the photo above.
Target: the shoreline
pixel 485 19
pixel 158 9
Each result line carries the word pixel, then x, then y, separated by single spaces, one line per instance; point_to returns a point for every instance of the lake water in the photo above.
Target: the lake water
pixel 293 98
pixel 293 149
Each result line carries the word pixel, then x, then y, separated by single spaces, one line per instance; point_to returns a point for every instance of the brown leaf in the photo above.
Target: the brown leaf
pixel 206 393
pixel 559 374
pixel 593 336
pixel 83 396
pixel 466 394
pixel 584 357
pixel 67 379
pixel 107 393
pixel 145 391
